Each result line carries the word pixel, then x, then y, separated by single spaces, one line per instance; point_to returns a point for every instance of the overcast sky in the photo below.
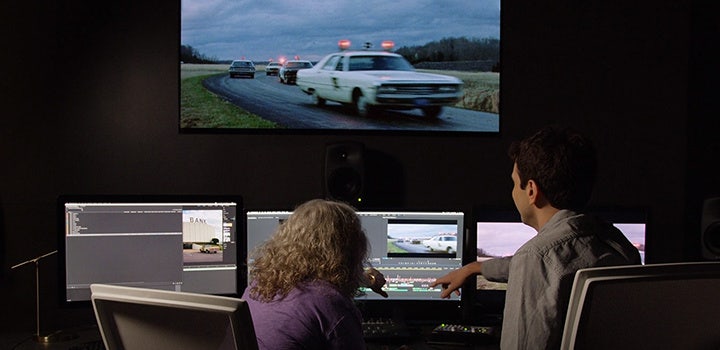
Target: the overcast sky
pixel 503 238
pixel 269 29
pixel 419 230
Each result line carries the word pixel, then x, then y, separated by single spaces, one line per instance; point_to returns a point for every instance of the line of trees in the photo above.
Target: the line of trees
pixel 444 50
pixel 453 49
pixel 188 54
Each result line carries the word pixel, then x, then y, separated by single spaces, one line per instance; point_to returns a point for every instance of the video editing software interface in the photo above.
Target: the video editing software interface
pixel 178 244
pixel 410 248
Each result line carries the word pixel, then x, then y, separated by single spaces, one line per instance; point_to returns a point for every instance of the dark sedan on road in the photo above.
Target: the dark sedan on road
pixel 288 72
pixel 239 68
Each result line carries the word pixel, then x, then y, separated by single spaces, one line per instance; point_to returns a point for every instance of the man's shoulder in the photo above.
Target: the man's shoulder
pixel 568 228
pixel 584 236
pixel 580 224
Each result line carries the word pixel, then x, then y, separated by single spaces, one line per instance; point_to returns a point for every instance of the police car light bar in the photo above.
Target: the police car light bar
pixel 387 45
pixel 344 44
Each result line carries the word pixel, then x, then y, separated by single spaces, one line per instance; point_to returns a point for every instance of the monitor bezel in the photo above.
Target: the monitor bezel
pixel 140 198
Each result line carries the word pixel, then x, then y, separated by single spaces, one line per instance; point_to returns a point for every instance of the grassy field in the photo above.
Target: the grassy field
pixel 203 109
pixel 392 248
pixel 199 108
pixel 481 90
pixel 189 70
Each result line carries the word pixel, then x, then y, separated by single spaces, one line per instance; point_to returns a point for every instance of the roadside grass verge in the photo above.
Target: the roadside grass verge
pixel 481 90
pixel 392 248
pixel 199 108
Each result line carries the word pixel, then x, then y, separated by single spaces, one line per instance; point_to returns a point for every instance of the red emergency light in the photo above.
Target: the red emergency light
pixel 344 44
pixel 387 45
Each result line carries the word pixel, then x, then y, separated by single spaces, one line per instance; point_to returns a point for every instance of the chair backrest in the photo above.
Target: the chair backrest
pixel 133 318
pixel 656 306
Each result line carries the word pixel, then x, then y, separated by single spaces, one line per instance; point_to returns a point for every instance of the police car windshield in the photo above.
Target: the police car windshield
pixel 358 63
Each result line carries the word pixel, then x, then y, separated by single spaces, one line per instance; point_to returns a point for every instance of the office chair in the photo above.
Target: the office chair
pixel 133 318
pixel 656 306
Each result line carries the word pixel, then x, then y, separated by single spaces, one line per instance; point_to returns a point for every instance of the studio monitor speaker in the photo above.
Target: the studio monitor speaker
pixel 345 172
pixel 710 229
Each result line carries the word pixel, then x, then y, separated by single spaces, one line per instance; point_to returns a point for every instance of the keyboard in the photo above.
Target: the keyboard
pixel 447 333
pixel 387 330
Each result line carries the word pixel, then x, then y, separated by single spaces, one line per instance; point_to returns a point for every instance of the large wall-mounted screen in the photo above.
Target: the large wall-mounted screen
pixel 342 67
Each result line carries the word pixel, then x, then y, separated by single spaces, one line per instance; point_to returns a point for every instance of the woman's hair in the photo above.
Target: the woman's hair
pixel 562 162
pixel 321 240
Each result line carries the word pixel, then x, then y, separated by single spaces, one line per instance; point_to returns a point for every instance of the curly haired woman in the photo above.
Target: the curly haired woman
pixel 304 278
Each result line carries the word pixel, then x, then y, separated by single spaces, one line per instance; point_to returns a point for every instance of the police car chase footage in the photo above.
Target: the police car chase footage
pixel 309 74
pixel 370 80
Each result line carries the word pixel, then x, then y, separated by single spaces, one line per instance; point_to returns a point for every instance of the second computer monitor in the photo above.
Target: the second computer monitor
pixel 185 243
pixel 500 233
pixel 410 248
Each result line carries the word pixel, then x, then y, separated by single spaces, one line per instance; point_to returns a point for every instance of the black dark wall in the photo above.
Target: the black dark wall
pixel 90 105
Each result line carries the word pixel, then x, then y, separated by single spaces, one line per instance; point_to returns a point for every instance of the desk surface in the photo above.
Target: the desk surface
pixel 421 342
pixel 75 339
pixel 86 336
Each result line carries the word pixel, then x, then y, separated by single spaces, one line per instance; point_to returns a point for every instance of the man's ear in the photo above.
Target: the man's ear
pixel 534 194
pixel 532 191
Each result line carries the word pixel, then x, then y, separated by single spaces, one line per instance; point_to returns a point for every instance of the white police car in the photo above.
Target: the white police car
pixel 370 80
pixel 442 243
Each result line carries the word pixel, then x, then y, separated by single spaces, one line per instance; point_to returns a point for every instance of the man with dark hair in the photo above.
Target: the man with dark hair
pixel 553 175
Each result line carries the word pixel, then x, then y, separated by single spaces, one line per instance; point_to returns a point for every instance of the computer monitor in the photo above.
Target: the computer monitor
pixel 500 233
pixel 653 306
pixel 187 243
pixel 131 318
pixel 633 222
pixel 410 248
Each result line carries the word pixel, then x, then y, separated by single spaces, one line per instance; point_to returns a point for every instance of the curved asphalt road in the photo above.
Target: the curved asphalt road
pixel 287 105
